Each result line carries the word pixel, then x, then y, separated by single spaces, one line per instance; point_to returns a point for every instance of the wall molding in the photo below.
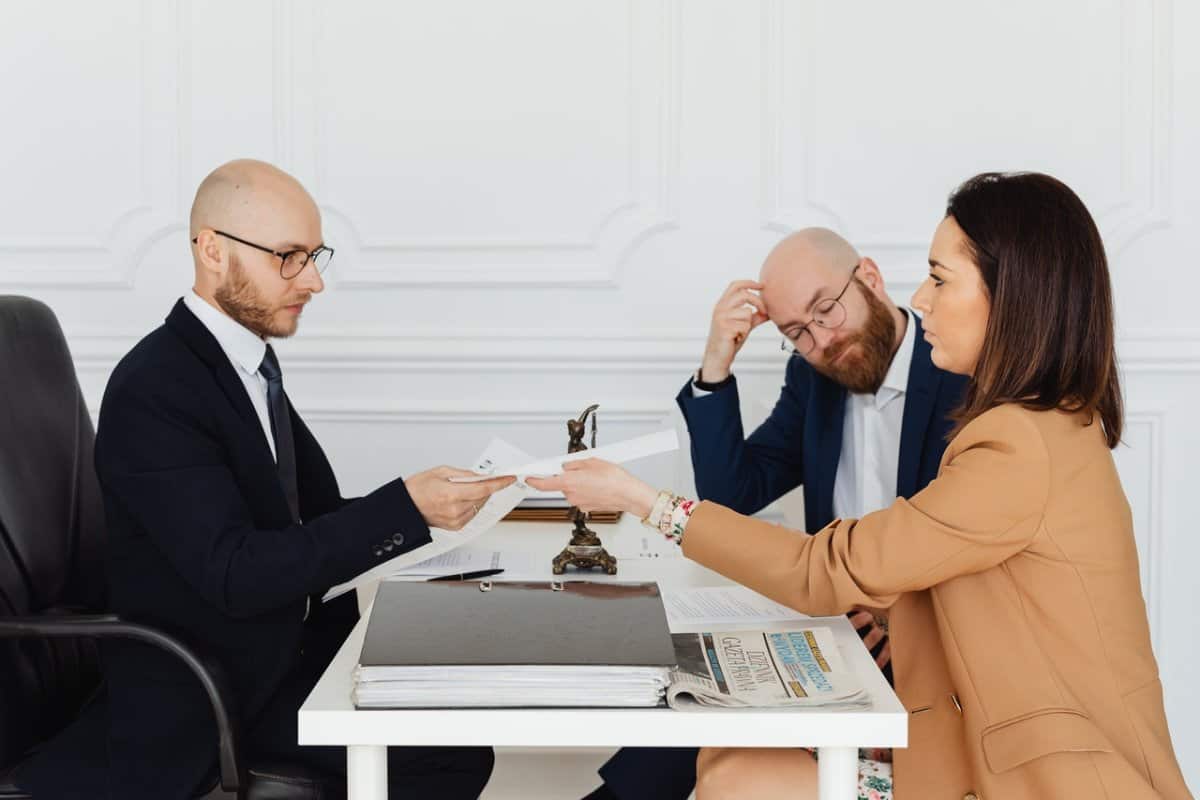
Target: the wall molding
pixel 567 350
pixel 464 415
pixel 1154 560
pixel 1146 77
pixel 110 260
pixel 594 261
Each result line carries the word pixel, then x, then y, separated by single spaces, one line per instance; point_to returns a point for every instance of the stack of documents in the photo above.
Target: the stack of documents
pixel 495 645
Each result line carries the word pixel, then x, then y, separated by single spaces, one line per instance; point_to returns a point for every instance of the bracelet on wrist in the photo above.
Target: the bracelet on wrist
pixel 656 511
pixel 669 515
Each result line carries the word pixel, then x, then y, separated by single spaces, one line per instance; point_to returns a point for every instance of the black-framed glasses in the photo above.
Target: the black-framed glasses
pixel 291 262
pixel 828 313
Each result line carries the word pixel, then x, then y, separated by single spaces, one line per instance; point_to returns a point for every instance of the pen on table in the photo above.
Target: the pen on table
pixel 467 576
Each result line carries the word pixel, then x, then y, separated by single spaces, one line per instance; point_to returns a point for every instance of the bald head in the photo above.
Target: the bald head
pixel 245 215
pixel 810 249
pixel 244 195
pixel 810 263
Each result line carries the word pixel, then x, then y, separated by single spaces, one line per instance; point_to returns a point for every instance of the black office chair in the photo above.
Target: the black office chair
pixel 52 583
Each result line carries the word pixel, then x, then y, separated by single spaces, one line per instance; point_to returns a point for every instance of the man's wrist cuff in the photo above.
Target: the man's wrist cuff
pixel 703 385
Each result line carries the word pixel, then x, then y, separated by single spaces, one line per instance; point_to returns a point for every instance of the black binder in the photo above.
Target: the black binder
pixel 490 623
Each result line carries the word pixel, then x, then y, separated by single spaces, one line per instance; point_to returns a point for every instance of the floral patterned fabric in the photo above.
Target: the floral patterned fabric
pixel 874 779
pixel 874 774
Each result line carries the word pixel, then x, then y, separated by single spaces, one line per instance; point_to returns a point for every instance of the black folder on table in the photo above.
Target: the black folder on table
pixel 484 644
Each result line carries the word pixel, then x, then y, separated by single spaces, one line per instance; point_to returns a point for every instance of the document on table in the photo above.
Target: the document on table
pixel 712 604
pixel 462 559
pixel 468 559
pixel 505 500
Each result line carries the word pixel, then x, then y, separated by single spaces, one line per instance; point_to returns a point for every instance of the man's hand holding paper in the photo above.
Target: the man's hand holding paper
pixel 447 504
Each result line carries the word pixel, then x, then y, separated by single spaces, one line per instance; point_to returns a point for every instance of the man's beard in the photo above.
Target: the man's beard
pixel 863 372
pixel 241 301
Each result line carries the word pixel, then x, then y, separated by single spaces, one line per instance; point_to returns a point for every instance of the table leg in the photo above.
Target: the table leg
pixel 366 772
pixel 837 773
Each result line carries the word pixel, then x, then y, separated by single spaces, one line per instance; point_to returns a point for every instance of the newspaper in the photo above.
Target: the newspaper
pixel 765 668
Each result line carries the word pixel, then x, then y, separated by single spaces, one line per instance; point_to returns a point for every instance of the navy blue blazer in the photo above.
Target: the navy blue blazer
pixel 801 442
pixel 201 543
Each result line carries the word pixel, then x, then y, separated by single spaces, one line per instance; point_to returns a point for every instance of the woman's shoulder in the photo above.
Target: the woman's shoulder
pixel 1009 427
pixel 1046 430
pixel 1003 447
pixel 1006 417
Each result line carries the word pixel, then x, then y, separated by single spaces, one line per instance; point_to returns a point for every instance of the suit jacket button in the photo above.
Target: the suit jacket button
pixel 377 550
pixel 398 538
pixel 387 545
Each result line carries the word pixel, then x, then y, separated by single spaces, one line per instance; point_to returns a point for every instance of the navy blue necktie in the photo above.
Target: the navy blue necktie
pixel 281 429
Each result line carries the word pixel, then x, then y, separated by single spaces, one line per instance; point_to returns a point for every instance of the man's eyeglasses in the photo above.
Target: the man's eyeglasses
pixel 291 262
pixel 828 313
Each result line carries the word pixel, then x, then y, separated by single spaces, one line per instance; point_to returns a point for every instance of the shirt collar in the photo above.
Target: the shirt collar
pixel 895 383
pixel 243 346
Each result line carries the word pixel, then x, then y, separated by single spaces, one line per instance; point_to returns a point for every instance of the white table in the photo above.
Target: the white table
pixel 329 718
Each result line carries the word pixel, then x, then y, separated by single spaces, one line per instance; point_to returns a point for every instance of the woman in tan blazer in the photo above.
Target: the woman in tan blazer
pixel 1019 636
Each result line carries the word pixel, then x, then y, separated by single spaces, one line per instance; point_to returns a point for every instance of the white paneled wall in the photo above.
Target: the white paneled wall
pixel 536 202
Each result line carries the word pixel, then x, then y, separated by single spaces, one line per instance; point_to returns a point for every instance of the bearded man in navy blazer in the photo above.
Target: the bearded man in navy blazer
pixel 225 522
pixel 861 420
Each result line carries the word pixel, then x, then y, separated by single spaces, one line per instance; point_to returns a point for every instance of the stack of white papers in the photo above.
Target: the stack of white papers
pixel 510 687
pixel 461 644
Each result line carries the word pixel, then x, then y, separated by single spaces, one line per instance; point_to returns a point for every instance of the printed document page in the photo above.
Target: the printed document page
pixel 708 605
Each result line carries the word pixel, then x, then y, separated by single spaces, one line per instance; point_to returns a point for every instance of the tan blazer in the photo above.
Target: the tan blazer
pixel 1019 637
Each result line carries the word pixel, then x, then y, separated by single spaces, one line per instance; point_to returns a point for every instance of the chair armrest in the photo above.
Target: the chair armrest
pixel 111 626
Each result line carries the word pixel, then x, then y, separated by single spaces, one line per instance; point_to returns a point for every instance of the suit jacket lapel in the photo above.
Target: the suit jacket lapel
pixel 919 402
pixel 197 337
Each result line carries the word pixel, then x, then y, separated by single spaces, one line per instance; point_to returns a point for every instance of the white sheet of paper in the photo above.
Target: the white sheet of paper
pixel 468 559
pixel 460 559
pixel 711 604
pixel 500 504
pixel 497 452
pixel 618 453
pixel 501 452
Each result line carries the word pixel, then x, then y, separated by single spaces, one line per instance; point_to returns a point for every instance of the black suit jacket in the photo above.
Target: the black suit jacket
pixel 201 543
pixel 801 442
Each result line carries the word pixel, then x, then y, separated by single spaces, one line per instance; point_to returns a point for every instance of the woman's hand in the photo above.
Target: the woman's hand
pixel 596 485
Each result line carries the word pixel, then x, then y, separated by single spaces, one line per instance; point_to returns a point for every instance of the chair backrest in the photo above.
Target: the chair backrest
pixel 51 525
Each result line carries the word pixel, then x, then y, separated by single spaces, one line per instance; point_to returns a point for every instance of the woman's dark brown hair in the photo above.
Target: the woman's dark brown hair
pixel 1049 342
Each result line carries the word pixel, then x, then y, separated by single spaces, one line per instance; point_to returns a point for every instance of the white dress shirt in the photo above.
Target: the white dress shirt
pixel 870 459
pixel 245 350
